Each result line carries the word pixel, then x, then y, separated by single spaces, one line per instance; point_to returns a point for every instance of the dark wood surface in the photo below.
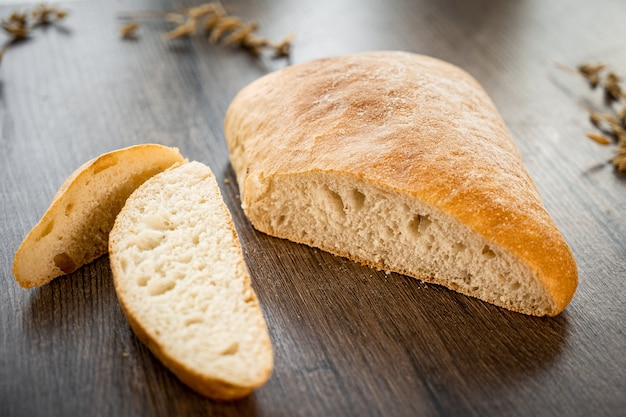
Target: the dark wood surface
pixel 348 340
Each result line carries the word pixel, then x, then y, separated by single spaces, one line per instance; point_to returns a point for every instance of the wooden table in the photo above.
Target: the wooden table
pixel 348 340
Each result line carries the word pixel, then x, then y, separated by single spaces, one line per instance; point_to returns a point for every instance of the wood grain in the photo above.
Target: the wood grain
pixel 349 340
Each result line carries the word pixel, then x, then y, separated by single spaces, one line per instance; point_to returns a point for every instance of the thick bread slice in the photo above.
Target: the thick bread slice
pixel 401 162
pixel 184 287
pixel 75 229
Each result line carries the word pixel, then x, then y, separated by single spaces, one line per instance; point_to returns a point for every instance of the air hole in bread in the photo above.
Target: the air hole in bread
pixel 488 253
pixel 123 263
pixel 413 225
pixel 430 241
pixel 231 349
pixel 161 288
pixel 418 224
pixel 69 208
pixel 149 239
pixel 515 286
pixel 280 221
pixel 185 258
pixel 65 263
pixel 335 204
pixel 458 247
pixel 143 280
pixel 357 199
pixel 190 321
pixel 46 231
pixel 104 163
pixel 157 222
pixel 424 223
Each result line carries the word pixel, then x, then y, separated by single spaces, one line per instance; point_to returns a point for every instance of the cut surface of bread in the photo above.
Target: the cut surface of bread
pixel 75 228
pixel 402 162
pixel 183 285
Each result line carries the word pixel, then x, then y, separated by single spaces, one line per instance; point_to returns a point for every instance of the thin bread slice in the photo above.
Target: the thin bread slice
pixel 402 162
pixel 74 230
pixel 183 285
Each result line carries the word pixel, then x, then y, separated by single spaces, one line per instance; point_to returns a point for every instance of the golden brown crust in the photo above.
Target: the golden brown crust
pixel 407 123
pixel 74 229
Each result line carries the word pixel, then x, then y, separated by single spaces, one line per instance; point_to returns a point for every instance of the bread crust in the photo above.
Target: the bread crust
pixel 74 229
pixel 407 123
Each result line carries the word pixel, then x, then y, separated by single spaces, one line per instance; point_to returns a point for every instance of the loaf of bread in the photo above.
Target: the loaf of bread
pixel 183 285
pixel 402 162
pixel 75 229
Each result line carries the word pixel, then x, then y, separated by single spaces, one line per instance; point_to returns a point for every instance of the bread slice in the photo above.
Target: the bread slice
pixel 182 283
pixel 402 162
pixel 74 230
